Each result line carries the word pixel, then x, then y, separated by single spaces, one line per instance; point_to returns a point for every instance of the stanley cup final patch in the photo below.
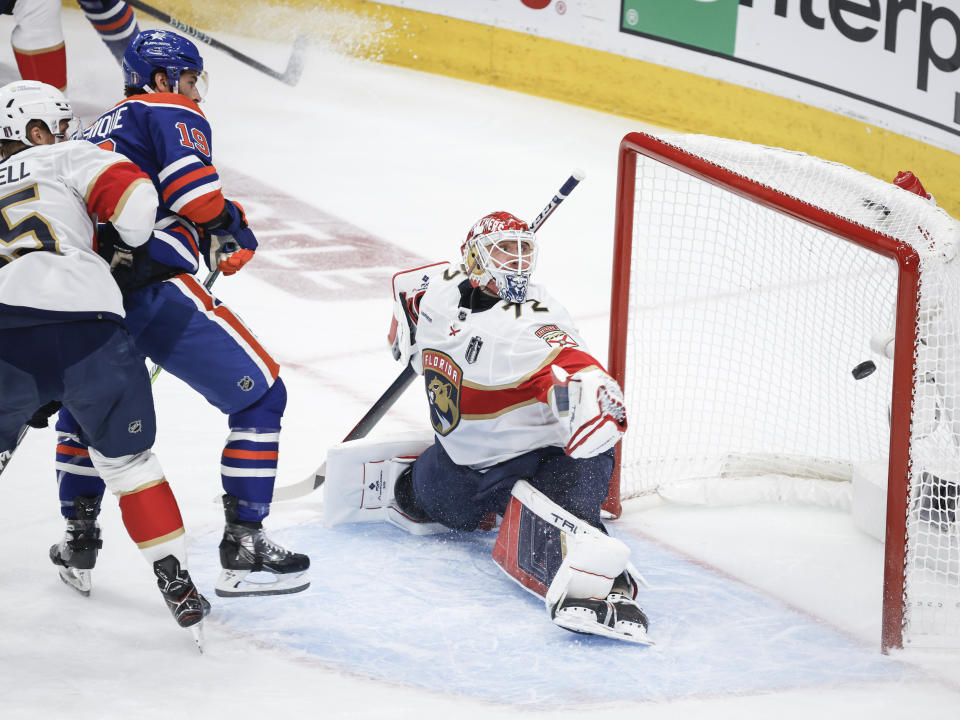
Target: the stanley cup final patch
pixel 473 349
pixel 555 337
pixel 443 378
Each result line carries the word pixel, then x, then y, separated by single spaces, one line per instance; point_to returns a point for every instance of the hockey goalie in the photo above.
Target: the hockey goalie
pixel 524 425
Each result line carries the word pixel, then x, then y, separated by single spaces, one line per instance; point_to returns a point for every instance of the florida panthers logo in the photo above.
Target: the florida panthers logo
pixel 442 377
pixel 555 337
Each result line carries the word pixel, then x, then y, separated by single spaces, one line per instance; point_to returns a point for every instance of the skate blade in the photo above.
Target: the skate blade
pixel 198 636
pixel 244 583
pixel 79 580
pixel 585 626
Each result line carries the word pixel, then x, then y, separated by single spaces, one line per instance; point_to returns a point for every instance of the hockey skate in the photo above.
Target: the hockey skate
pixel 615 617
pixel 76 555
pixel 255 565
pixel 186 604
pixel 618 616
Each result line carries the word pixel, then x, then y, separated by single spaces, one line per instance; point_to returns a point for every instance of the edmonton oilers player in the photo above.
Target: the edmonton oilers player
pixel 178 324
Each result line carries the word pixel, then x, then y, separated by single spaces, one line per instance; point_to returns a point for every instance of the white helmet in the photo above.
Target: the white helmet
pixel 26 100
pixel 499 254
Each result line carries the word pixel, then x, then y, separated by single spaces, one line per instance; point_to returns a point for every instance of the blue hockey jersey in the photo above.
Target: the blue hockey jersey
pixel 168 137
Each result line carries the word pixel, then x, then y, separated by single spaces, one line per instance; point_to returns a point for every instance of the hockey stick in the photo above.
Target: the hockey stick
pixel 403 380
pixel 39 419
pixel 360 430
pixel 208 283
pixel 290 76
pixel 561 195
pixel 6 455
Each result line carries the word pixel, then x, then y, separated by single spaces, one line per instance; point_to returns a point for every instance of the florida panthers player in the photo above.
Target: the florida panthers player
pixel 524 420
pixel 177 323
pixel 61 318
pixel 37 36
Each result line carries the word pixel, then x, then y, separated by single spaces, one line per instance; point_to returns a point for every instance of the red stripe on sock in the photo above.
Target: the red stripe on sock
pixel 106 27
pixel 49 65
pixel 68 450
pixel 251 454
pixel 151 513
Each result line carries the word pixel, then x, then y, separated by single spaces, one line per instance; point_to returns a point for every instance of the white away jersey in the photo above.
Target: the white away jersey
pixel 487 373
pixel 49 267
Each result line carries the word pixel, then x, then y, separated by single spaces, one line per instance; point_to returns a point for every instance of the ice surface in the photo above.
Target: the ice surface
pixel 757 612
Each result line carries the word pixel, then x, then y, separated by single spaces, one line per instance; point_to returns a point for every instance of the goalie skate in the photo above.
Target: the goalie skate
pixel 616 617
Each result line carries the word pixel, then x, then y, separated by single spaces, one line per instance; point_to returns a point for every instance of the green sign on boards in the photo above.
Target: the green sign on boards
pixel 706 24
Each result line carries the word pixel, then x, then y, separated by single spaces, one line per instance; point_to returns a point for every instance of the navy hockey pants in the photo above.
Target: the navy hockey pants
pixel 92 368
pixel 186 330
pixel 460 497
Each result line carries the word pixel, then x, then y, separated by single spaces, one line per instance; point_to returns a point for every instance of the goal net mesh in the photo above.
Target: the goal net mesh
pixel 744 321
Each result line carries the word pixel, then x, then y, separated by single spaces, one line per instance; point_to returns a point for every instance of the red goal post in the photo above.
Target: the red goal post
pixel 761 273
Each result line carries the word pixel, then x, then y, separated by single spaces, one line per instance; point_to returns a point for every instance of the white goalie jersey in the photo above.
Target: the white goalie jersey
pixel 49 198
pixel 487 368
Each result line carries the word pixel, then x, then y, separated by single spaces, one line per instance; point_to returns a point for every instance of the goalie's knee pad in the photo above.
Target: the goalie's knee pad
pixel 361 483
pixel 553 553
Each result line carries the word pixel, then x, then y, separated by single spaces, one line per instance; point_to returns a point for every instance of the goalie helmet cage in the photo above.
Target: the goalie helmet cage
pixel 747 281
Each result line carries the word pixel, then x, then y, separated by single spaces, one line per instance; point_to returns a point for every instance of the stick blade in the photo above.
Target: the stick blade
pixel 302 488
pixel 291 76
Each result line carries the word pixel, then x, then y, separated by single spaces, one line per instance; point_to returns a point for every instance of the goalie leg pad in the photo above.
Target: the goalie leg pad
pixel 584 575
pixel 551 552
pixel 361 477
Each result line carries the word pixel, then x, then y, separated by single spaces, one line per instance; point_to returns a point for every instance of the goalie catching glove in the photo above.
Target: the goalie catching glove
pixel 590 405
pixel 230 243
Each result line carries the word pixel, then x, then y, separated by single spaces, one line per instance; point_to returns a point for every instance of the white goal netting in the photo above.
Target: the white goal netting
pixel 750 302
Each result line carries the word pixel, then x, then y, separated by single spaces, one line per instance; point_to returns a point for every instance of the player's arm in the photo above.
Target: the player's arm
pixel 589 405
pixel 409 287
pixel 190 186
pixel 115 191
pixel 586 401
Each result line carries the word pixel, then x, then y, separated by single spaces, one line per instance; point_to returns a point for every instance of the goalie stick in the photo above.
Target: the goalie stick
pixel 406 376
pixel 290 76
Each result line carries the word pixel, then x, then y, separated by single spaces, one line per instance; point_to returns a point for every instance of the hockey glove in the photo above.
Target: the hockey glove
pixel 129 266
pixel 590 404
pixel 41 417
pixel 231 243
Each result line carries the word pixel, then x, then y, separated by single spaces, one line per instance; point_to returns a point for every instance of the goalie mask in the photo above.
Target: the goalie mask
pixel 26 100
pixel 154 50
pixel 499 255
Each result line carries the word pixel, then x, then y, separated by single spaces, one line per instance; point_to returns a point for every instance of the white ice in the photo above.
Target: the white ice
pixel 757 612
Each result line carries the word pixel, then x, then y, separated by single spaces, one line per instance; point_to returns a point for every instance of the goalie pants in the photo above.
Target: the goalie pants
pixel 90 366
pixel 183 328
pixel 460 497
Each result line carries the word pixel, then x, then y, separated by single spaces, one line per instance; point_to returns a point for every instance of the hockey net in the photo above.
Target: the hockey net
pixel 747 283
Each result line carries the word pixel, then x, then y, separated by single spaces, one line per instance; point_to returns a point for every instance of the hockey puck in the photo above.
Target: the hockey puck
pixel 863 369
